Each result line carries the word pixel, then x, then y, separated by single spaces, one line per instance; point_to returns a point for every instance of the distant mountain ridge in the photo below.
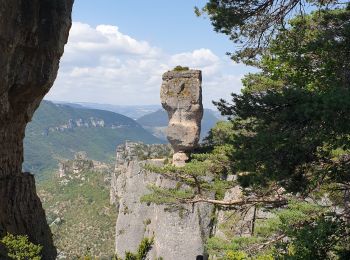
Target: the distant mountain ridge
pixel 132 111
pixel 57 131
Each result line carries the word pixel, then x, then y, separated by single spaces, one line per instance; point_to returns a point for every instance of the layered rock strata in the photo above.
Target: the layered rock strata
pixel 32 38
pixel 178 233
pixel 181 97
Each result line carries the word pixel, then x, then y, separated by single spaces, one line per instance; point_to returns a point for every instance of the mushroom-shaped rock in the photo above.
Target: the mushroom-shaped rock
pixel 181 97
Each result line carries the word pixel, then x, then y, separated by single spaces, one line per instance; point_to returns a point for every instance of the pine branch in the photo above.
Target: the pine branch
pixel 278 202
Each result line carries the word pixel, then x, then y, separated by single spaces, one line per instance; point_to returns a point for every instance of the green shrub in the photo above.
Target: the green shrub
pixel 180 68
pixel 144 247
pixel 20 248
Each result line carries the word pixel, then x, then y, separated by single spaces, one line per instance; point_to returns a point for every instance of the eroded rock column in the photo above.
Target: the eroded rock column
pixel 181 97
pixel 32 38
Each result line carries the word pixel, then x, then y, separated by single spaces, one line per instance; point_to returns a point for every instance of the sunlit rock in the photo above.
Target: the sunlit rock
pixel 181 97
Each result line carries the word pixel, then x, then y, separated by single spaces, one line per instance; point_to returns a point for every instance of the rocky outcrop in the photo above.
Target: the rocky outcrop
pixel 78 123
pixel 181 97
pixel 32 38
pixel 72 169
pixel 178 233
pixel 91 122
pixel 133 151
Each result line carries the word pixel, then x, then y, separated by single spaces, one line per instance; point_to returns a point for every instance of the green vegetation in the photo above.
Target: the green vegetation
pixel 20 248
pixel 252 24
pixel 305 121
pixel 286 146
pixel 79 214
pixel 141 254
pixel 180 68
pixel 44 145
pixel 205 173
pixel 144 247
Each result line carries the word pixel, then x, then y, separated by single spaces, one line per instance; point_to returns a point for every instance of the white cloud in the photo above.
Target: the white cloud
pixel 103 65
pixel 105 39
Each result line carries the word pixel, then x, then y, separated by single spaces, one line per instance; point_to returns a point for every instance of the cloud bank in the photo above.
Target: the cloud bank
pixel 103 65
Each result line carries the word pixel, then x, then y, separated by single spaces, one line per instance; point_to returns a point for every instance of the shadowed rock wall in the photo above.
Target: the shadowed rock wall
pixel 32 38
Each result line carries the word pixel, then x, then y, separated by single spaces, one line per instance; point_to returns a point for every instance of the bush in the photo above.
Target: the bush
pixel 20 248
pixel 180 68
pixel 144 247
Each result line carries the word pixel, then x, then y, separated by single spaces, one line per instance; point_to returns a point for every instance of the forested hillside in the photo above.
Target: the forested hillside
pixel 78 209
pixel 58 131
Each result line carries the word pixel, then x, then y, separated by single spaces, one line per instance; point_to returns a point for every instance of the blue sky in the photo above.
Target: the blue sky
pixel 170 25
pixel 118 50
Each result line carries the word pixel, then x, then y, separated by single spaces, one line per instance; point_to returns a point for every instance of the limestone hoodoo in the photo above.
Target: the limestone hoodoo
pixel 181 97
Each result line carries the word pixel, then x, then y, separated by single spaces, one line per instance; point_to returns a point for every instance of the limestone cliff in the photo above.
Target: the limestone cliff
pixel 32 38
pixel 178 234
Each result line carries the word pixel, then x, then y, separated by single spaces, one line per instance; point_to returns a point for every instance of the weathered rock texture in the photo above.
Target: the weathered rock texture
pixel 178 234
pixel 81 163
pixel 181 97
pixel 76 166
pixel 32 38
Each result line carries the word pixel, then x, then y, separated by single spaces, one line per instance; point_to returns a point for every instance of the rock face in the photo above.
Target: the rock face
pixel 32 38
pixel 178 234
pixel 181 97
